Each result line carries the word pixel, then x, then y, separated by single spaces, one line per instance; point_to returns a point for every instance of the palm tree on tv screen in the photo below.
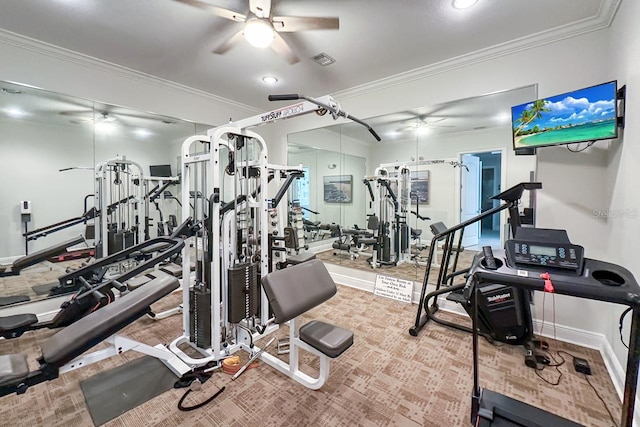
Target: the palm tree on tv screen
pixel 530 114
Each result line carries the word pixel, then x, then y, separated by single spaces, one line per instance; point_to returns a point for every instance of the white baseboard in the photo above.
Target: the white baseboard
pixel 366 280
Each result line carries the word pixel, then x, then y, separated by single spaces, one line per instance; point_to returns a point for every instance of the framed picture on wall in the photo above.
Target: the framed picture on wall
pixel 338 188
pixel 420 186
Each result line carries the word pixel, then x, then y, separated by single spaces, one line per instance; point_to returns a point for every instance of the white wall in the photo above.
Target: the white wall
pixel 622 199
pixel 32 154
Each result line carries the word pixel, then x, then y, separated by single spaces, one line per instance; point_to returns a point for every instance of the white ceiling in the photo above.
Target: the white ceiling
pixel 376 39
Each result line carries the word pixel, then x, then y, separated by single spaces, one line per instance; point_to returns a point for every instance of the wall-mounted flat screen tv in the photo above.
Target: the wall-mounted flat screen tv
pixel 588 114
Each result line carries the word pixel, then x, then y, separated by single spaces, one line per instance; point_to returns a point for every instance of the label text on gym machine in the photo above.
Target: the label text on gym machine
pixel 282 113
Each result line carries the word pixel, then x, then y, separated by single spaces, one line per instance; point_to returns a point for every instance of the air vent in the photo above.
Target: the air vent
pixel 323 59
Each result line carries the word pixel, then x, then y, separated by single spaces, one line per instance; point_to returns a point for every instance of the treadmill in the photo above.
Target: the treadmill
pixel 531 253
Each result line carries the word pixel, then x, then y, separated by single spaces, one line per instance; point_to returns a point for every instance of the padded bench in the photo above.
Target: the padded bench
pixel 16 325
pixel 39 256
pixel 80 336
pixel 295 290
pixel 13 299
pixel 300 258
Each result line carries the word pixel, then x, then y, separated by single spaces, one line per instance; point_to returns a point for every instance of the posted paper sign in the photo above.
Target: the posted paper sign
pixel 391 287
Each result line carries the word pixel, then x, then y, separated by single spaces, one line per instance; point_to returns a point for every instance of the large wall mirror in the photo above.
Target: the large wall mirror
pixel 50 145
pixel 455 155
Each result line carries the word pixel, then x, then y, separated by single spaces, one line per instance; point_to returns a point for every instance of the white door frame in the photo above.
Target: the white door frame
pixel 503 185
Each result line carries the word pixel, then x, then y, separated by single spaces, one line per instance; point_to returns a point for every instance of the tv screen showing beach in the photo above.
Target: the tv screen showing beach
pixel 583 115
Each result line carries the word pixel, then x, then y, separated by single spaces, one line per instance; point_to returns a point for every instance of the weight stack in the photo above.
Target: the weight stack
pixel 243 297
pixel 200 316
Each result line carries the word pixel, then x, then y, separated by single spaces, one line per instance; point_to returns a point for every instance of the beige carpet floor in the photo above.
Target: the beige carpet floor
pixel 387 378
pixel 405 270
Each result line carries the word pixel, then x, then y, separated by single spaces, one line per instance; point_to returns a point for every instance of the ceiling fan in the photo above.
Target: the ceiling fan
pixel 421 123
pixel 105 115
pixel 261 28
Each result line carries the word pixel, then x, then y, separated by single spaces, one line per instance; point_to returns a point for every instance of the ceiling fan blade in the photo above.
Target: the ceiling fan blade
pixel 229 43
pixel 76 112
pixel 282 48
pixel 260 8
pixel 288 24
pixel 219 11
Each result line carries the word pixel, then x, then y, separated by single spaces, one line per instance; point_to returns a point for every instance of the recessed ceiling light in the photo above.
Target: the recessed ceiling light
pixel 270 80
pixel 463 4
pixel 106 128
pixel 142 133
pixel 15 112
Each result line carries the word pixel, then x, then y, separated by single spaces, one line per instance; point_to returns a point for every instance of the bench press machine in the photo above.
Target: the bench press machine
pixel 63 352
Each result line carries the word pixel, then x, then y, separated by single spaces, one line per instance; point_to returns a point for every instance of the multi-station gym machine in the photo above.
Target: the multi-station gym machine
pixel 120 189
pixel 391 201
pixel 227 308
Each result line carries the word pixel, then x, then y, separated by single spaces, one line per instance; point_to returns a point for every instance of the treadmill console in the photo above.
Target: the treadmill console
pixel 545 255
pixel 544 248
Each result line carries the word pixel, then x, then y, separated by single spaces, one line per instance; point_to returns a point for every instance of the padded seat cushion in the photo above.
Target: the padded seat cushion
pixel 9 323
pixel 172 269
pixel 13 369
pixel 367 242
pixel 156 247
pixel 297 289
pixel 329 339
pixel 300 258
pixel 136 282
pixel 13 299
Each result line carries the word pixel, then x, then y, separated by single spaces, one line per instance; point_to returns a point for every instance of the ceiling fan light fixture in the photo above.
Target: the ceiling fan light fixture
pixel 463 4
pixel 258 32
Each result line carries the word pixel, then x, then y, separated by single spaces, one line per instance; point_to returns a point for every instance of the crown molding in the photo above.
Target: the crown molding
pixel 603 19
pixel 66 55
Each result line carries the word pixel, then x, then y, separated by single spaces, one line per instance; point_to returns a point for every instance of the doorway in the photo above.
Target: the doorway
pixel 481 179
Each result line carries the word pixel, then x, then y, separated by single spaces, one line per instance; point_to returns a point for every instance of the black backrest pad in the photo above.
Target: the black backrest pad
pixel 80 336
pixel 295 290
pixel 45 254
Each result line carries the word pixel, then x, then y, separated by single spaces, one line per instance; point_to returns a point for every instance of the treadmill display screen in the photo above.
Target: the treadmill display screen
pixel 542 250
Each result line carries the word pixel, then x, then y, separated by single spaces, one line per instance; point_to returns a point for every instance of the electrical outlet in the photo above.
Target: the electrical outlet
pixel 581 365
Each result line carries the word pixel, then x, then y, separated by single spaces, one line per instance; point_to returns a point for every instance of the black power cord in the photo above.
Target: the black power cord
pixel 556 365
pixel 621 324
pixel 613 420
pixel 589 144
pixel 199 405
pixel 586 377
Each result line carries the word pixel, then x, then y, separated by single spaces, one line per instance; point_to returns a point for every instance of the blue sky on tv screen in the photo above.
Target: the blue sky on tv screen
pixel 578 107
